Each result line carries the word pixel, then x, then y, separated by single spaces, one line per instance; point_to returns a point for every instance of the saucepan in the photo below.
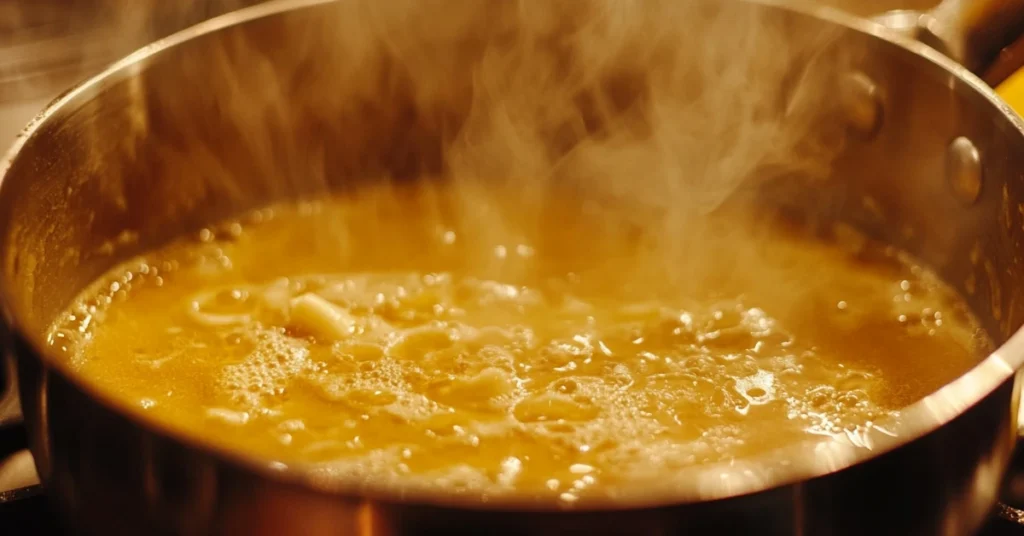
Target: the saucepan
pixel 226 116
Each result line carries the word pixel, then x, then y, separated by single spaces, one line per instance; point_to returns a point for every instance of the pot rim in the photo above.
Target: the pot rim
pixel 784 466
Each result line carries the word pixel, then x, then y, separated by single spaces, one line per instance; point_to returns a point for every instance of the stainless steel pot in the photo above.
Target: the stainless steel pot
pixel 158 145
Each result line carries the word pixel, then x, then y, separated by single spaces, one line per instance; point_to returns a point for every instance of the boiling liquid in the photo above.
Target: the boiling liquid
pixel 364 338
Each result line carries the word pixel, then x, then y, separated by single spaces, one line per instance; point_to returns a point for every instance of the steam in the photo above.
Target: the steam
pixel 624 125
pixel 652 113
pixel 663 102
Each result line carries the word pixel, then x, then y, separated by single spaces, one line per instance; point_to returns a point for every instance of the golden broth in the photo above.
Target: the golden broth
pixel 368 338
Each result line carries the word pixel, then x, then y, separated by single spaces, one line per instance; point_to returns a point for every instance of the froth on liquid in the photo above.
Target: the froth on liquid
pixel 372 338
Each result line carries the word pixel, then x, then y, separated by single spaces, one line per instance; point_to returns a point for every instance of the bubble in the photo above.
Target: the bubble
pixel 510 468
pixel 274 361
pixel 565 386
pixel 292 425
pixel 758 388
pixel 235 418
pixel 580 469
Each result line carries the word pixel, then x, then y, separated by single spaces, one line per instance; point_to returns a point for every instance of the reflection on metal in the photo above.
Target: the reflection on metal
pixel 905 22
pixel 10 407
pixel 964 169
pixel 177 486
pixel 18 473
pixel 973 32
pixel 1011 514
pixel 862 104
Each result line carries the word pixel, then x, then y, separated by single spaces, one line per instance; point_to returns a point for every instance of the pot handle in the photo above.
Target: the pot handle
pixel 986 36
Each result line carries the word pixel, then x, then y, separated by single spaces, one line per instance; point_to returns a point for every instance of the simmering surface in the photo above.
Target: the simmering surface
pixel 373 340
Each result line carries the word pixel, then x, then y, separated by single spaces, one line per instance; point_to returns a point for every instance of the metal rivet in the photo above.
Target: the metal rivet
pixel 964 170
pixel 862 104
pixel 904 21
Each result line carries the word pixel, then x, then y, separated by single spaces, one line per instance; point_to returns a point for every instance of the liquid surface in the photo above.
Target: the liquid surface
pixel 369 340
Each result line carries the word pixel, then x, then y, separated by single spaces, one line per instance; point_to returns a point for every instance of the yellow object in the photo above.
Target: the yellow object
pixel 1012 91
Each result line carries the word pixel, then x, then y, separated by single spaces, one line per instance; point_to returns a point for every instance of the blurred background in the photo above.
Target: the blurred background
pixel 48 45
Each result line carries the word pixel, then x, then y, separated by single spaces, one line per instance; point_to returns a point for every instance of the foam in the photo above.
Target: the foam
pixel 273 362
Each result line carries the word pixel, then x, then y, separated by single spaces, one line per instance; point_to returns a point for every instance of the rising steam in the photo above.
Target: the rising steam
pixel 644 116
pixel 652 113
pixel 665 103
